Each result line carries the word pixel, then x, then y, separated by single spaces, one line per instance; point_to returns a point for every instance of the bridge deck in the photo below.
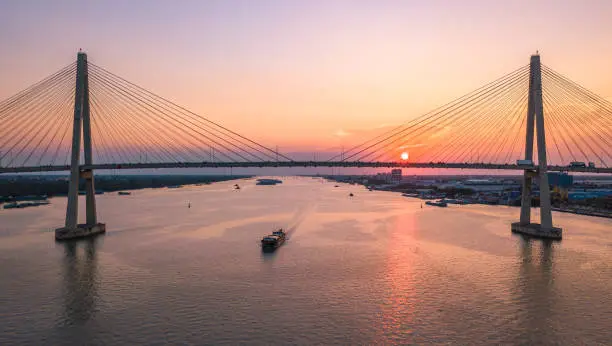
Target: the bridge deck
pixel 485 166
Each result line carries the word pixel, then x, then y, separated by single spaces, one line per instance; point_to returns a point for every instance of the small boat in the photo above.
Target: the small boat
pixel 453 201
pixel 11 205
pixel 351 194
pixel 268 182
pixel 336 185
pixel 237 187
pixel 124 193
pixel 274 240
pixel 437 203
pixel 27 204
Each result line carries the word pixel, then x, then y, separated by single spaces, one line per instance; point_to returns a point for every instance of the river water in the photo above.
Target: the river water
pixel 374 268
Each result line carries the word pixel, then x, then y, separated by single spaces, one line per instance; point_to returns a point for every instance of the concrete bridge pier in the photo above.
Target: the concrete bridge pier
pixel 535 109
pixel 81 123
pixel 526 197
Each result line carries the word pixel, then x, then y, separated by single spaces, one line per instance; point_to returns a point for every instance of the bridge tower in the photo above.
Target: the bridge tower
pixel 81 125
pixel 535 119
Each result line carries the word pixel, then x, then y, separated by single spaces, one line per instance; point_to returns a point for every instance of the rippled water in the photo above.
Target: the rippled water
pixel 375 268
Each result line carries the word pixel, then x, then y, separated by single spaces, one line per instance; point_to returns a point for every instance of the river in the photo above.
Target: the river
pixel 373 268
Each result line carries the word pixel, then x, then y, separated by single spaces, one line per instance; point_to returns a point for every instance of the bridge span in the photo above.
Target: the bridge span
pixel 305 164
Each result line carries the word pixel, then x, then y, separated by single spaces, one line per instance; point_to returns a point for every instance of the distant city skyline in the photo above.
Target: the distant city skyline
pixel 307 75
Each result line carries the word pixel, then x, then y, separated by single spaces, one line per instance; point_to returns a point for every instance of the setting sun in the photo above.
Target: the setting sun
pixel 404 156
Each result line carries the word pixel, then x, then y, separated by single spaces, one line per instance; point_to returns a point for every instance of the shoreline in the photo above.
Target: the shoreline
pixel 602 214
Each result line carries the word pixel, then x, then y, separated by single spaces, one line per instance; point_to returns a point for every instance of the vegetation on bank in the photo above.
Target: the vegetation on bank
pixel 58 185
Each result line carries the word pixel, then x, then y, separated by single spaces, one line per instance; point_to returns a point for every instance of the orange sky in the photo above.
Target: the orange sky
pixel 307 75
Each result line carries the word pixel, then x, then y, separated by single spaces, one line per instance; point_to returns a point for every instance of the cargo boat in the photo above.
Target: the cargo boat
pixel 273 241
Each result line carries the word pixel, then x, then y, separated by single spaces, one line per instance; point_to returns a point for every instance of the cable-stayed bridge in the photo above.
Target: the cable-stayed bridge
pixel 121 125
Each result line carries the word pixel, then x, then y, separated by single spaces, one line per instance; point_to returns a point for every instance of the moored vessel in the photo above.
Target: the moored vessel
pixel 268 182
pixel 437 203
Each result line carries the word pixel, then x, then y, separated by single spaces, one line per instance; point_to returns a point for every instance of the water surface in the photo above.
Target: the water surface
pixel 374 268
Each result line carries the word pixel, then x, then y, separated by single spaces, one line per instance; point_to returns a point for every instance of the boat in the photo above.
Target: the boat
pixel 11 205
pixel 25 204
pixel 453 201
pixel 236 187
pixel 274 240
pixel 437 203
pixel 33 204
pixel 268 182
pixel 124 193
pixel 351 194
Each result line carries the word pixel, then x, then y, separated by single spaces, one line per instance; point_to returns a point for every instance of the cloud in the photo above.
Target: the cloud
pixel 442 132
pixel 383 125
pixel 364 133
pixel 408 146
pixel 341 133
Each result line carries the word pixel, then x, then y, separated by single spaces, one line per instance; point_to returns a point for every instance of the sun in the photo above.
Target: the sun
pixel 404 156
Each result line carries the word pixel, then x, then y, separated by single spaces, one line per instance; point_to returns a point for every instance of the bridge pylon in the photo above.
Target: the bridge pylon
pixel 81 125
pixel 535 119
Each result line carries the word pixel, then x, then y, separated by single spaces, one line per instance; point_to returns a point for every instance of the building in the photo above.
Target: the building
pixel 560 183
pixel 562 180
pixel 386 177
pixel 396 175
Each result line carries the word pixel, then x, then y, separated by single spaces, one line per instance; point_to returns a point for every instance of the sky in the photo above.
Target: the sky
pixel 307 75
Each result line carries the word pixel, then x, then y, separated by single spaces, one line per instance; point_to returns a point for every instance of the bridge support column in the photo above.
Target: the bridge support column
pixel 526 197
pixel 535 109
pixel 81 123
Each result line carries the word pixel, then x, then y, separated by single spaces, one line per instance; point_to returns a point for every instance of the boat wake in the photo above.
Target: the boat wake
pixel 300 215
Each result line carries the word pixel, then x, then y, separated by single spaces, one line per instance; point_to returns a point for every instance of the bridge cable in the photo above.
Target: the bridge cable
pixel 193 115
pixel 433 115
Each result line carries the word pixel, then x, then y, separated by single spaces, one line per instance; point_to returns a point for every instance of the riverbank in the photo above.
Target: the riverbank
pixel 466 196
pixel 587 212
pixel 12 187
